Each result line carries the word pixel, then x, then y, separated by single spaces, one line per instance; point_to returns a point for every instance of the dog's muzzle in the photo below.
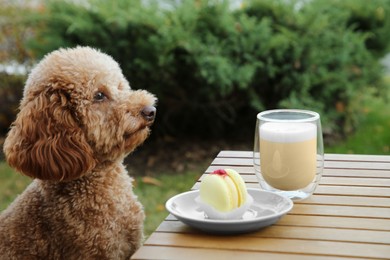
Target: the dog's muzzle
pixel 149 113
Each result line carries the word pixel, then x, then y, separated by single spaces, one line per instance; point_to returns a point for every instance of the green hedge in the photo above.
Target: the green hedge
pixel 11 89
pixel 213 67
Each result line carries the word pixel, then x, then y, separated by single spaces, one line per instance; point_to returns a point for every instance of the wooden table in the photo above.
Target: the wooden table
pixel 347 217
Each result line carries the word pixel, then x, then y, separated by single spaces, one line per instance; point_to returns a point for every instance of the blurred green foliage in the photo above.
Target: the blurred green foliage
pixel 213 67
pixel 11 89
pixel 15 31
pixel 371 17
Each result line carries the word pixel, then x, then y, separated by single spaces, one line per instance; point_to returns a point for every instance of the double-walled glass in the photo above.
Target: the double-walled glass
pixel 288 153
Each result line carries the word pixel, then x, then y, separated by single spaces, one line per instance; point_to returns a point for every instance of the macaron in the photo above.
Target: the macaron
pixel 224 190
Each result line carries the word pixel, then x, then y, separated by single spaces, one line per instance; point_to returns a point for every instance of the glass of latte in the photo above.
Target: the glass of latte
pixel 288 153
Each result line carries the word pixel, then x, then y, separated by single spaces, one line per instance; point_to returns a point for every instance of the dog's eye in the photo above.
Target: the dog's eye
pixel 99 96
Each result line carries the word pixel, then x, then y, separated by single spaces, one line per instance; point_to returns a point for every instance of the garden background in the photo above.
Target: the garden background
pixel 213 65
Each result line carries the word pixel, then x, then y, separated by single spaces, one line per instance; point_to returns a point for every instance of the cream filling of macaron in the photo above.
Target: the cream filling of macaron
pixel 239 184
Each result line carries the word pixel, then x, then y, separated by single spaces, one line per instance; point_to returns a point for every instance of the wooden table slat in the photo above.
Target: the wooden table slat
pixel 334 210
pixel 353 181
pixel 357 191
pixel 179 253
pixel 347 201
pixel 324 221
pixel 294 232
pixel 336 222
pixel 282 245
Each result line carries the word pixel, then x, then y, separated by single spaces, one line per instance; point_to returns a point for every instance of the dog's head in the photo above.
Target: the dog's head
pixel 77 112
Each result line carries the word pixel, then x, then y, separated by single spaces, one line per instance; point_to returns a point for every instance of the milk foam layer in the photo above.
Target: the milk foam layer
pixel 287 132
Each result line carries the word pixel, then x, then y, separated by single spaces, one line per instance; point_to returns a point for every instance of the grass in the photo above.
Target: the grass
pixel 11 184
pixel 373 135
pixel 153 196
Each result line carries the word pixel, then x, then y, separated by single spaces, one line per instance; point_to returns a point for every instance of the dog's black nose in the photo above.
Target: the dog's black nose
pixel 149 112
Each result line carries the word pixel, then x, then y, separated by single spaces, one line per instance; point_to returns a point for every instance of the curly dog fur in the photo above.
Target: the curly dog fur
pixel 78 120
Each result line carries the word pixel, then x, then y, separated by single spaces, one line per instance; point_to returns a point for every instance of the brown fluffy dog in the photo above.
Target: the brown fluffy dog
pixel 78 119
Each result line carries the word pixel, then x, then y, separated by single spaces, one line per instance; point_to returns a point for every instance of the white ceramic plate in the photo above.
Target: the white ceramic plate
pixel 266 209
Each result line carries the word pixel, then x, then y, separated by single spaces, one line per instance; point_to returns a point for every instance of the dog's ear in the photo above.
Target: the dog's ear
pixel 46 142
